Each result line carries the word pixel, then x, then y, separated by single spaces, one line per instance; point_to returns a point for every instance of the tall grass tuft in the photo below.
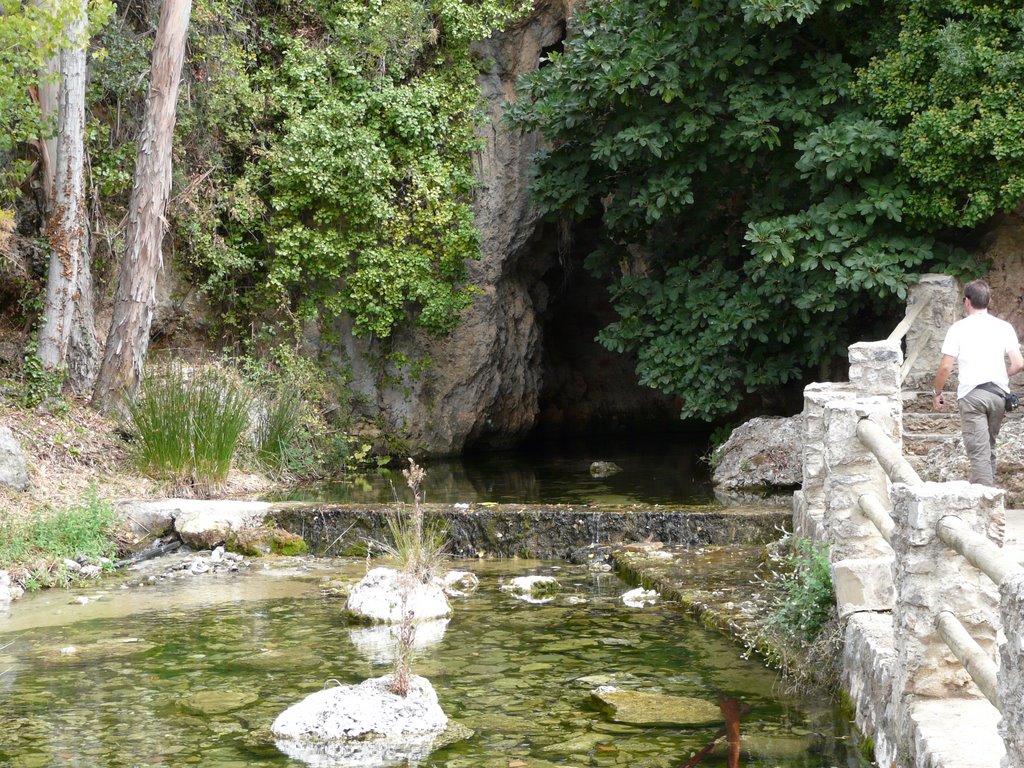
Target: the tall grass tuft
pixel 185 427
pixel 279 432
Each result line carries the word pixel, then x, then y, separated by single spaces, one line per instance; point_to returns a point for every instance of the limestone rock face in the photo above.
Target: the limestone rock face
pixel 485 377
pixel 763 452
pixel 362 725
pixel 13 465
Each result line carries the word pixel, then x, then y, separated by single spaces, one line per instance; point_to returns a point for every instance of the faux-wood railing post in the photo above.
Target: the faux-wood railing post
pixel 931 579
pixel 1010 682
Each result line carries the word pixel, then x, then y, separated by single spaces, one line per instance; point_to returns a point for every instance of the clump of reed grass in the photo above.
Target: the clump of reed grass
pixel 186 426
pixel 279 432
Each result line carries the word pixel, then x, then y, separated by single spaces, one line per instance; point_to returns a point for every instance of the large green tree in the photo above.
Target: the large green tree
pixel 751 202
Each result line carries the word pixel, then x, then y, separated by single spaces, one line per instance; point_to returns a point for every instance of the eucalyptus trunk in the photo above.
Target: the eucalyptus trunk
pixel 67 225
pixel 135 294
pixel 48 106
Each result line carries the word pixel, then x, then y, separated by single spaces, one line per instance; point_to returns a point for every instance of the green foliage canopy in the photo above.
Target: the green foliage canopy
pixel 751 203
pixel 30 35
pixel 953 85
pixel 323 153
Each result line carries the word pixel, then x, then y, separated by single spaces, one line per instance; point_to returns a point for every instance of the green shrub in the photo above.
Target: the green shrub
pixel 800 633
pixel 279 438
pixel 807 600
pixel 185 426
pixel 292 435
pixel 33 546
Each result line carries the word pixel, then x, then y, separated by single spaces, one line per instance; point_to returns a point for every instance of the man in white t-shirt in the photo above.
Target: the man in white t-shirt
pixel 979 345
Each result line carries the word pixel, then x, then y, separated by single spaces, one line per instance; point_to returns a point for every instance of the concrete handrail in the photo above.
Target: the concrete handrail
pixel 977 663
pixel 887 452
pixel 908 320
pixel 912 354
pixel 976 549
pixel 877 514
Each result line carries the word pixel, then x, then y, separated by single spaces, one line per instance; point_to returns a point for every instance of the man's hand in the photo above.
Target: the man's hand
pixel 938 402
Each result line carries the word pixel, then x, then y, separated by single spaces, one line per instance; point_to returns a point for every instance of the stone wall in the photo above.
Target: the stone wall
pixel 912 694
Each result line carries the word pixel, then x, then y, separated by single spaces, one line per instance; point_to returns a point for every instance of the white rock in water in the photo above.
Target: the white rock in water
pixel 6 593
pixel 379 596
pixel 601 469
pixel 639 597
pixel 352 726
pixel 460 582
pixel 532 589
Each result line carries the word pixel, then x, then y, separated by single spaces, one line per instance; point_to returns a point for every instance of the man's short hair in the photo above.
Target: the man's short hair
pixel 979 293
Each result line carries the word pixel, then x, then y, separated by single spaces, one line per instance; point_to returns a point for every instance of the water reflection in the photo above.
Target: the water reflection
pixel 655 471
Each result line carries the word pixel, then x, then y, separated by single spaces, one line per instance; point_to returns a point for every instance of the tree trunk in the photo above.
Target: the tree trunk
pixel 67 225
pixel 83 357
pixel 135 295
pixel 49 88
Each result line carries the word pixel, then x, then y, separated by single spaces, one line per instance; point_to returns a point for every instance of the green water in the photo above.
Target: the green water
pixel 193 672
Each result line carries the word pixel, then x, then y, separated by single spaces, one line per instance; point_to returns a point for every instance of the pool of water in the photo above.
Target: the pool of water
pixel 193 671
pixel 654 471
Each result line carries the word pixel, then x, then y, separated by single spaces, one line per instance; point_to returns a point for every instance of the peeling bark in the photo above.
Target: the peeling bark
pixel 67 226
pixel 135 295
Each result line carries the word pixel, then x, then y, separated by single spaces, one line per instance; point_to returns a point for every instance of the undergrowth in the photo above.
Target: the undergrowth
pixel 33 549
pixel 800 634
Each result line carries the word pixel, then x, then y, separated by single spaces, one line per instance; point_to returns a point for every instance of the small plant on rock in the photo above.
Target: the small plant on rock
pixel 420 550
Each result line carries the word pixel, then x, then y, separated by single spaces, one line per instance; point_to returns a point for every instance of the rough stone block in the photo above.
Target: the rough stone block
pixel 863 584
pixel 875 367
pixel 869 660
pixel 1011 670
pixel 930 578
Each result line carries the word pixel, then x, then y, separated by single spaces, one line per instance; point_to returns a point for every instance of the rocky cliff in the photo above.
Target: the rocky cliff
pixel 524 353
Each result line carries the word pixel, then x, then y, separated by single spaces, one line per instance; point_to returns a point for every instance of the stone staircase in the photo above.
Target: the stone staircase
pixel 924 430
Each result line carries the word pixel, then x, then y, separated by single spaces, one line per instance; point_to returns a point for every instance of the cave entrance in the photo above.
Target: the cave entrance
pixel 587 390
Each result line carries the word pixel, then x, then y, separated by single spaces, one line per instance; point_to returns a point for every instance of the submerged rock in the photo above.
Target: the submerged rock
pixel 362 725
pixel 640 708
pixel 217 702
pixel 601 469
pixel 386 595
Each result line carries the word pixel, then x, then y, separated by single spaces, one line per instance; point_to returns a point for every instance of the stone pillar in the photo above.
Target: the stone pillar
pixel 809 501
pixel 861 559
pixel 875 368
pixel 1011 671
pixel 945 308
pixel 930 578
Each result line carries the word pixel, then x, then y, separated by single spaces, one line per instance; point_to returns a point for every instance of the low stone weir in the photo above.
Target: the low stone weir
pixel 535 531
